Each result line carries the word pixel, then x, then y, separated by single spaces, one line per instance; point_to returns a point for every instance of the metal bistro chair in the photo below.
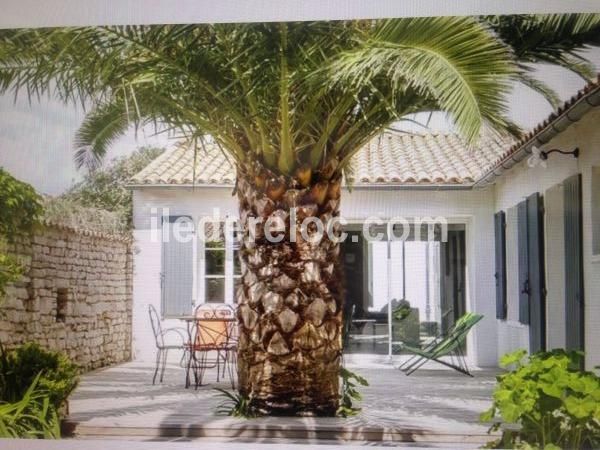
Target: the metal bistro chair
pixel 215 331
pixel 163 346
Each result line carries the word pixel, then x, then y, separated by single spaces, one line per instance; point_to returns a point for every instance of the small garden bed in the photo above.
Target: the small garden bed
pixel 34 388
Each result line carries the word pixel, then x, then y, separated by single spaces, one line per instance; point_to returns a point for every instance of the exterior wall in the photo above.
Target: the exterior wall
pixel 522 181
pixel 148 206
pixel 473 208
pixel 75 296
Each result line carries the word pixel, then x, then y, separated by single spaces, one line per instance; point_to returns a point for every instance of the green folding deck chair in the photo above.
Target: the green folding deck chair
pixel 446 345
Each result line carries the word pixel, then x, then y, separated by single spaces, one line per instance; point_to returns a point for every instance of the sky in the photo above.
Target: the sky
pixel 36 140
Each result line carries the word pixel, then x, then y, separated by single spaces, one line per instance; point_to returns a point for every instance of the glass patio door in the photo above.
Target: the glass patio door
pixel 402 292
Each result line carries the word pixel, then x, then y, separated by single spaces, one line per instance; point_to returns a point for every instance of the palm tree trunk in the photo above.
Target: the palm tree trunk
pixel 290 299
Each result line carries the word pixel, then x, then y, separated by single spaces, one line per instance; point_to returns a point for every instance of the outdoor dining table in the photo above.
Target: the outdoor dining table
pixel 190 320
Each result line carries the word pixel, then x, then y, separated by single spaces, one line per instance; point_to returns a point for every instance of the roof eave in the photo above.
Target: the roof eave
pixel 556 126
pixel 357 186
pixel 183 185
pixel 411 186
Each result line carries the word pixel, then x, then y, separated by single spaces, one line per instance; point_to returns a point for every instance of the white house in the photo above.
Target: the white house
pixel 521 245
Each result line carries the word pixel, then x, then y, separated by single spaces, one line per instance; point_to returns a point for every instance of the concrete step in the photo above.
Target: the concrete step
pixel 282 429
pixel 143 443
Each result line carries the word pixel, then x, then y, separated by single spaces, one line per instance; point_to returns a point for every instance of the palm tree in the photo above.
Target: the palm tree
pixel 290 103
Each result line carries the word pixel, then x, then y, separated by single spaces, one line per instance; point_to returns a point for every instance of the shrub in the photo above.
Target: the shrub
pixel 70 213
pixel 33 416
pixel 20 367
pixel 106 187
pixel 549 398
pixel 20 205
pixel 20 210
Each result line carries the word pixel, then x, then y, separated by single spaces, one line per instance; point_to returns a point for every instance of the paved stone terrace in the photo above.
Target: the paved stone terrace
pixel 429 408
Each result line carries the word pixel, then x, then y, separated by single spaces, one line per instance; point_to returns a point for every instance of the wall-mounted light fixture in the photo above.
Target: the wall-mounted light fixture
pixel 539 157
pixel 544 153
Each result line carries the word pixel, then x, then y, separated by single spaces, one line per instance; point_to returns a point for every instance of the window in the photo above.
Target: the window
pixel 215 257
pixel 221 270
pixel 596 210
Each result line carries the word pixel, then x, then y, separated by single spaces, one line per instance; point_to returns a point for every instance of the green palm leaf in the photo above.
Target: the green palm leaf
pixel 100 128
pixel 556 39
pixel 454 61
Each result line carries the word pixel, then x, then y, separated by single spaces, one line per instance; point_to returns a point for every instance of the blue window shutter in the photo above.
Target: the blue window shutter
pixel 500 241
pixel 177 275
pixel 574 299
pixel 523 262
pixel 537 273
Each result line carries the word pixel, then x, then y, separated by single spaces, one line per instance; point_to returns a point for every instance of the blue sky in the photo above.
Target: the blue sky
pixel 36 141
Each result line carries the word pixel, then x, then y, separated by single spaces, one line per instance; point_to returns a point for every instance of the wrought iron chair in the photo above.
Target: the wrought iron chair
pixel 214 331
pixel 164 345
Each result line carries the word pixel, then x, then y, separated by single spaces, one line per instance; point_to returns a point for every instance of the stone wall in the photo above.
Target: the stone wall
pixel 75 296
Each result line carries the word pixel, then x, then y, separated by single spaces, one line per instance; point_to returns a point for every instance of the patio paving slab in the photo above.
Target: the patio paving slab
pixel 431 407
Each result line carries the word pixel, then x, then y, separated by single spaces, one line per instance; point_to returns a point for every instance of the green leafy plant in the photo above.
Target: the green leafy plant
pixel 20 210
pixel 549 399
pixel 58 376
pixel 20 205
pixel 235 405
pixel 350 393
pixel 33 416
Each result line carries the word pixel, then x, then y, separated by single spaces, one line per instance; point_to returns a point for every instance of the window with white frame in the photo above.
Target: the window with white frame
pixel 215 256
pixel 221 272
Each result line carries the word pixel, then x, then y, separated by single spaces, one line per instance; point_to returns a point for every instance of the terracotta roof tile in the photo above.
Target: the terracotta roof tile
pixel 176 167
pixel 391 158
pixel 434 159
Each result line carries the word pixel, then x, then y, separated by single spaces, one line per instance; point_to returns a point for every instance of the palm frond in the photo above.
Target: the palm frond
pixel 556 39
pixel 539 86
pixel 454 61
pixel 101 127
